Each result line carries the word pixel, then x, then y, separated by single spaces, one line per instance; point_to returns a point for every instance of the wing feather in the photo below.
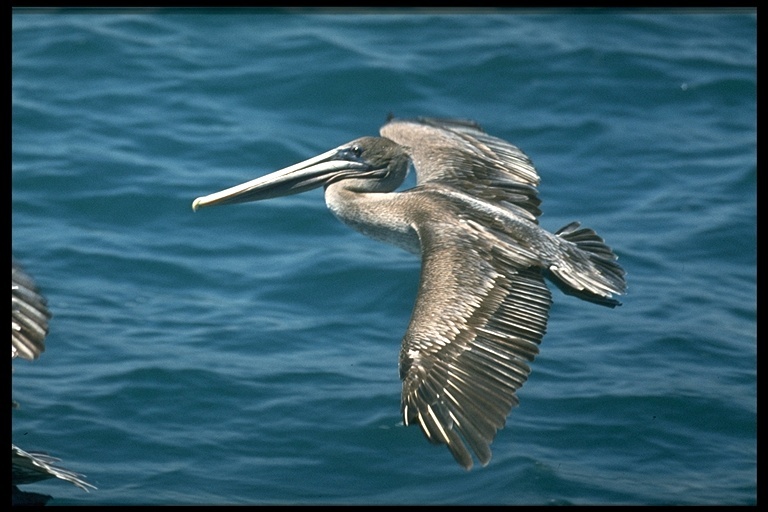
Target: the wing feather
pixel 461 154
pixel 476 324
pixel 29 316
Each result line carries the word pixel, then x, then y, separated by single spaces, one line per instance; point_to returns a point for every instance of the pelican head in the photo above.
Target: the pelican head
pixel 367 164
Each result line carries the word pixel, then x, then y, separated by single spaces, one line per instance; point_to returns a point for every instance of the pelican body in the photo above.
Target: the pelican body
pixel 482 305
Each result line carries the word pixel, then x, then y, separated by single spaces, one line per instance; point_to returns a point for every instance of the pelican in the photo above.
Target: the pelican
pixel 482 304
pixel 29 327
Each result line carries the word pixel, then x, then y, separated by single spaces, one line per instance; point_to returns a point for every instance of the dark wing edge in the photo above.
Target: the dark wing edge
pixel 29 316
pixel 30 467
pixel 476 325
pixel 589 269
pixel 459 153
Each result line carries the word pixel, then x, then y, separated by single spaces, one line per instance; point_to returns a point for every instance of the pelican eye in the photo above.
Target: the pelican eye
pixel 354 152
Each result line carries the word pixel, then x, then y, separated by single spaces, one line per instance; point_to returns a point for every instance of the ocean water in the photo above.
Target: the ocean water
pixel 248 354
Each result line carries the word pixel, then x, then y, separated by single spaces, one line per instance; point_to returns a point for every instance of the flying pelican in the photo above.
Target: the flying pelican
pixel 482 304
pixel 29 327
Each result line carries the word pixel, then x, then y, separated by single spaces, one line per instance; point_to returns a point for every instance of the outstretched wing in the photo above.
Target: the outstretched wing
pixel 478 320
pixel 29 316
pixel 460 154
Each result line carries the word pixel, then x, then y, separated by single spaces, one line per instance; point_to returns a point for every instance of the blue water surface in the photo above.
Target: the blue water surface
pixel 248 354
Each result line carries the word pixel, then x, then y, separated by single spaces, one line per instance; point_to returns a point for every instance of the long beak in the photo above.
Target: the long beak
pixel 297 178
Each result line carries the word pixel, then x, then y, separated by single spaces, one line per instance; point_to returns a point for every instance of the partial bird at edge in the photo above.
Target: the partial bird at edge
pixel 29 328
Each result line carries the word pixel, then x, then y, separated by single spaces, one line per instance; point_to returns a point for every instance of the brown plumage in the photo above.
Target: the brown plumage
pixel 482 305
